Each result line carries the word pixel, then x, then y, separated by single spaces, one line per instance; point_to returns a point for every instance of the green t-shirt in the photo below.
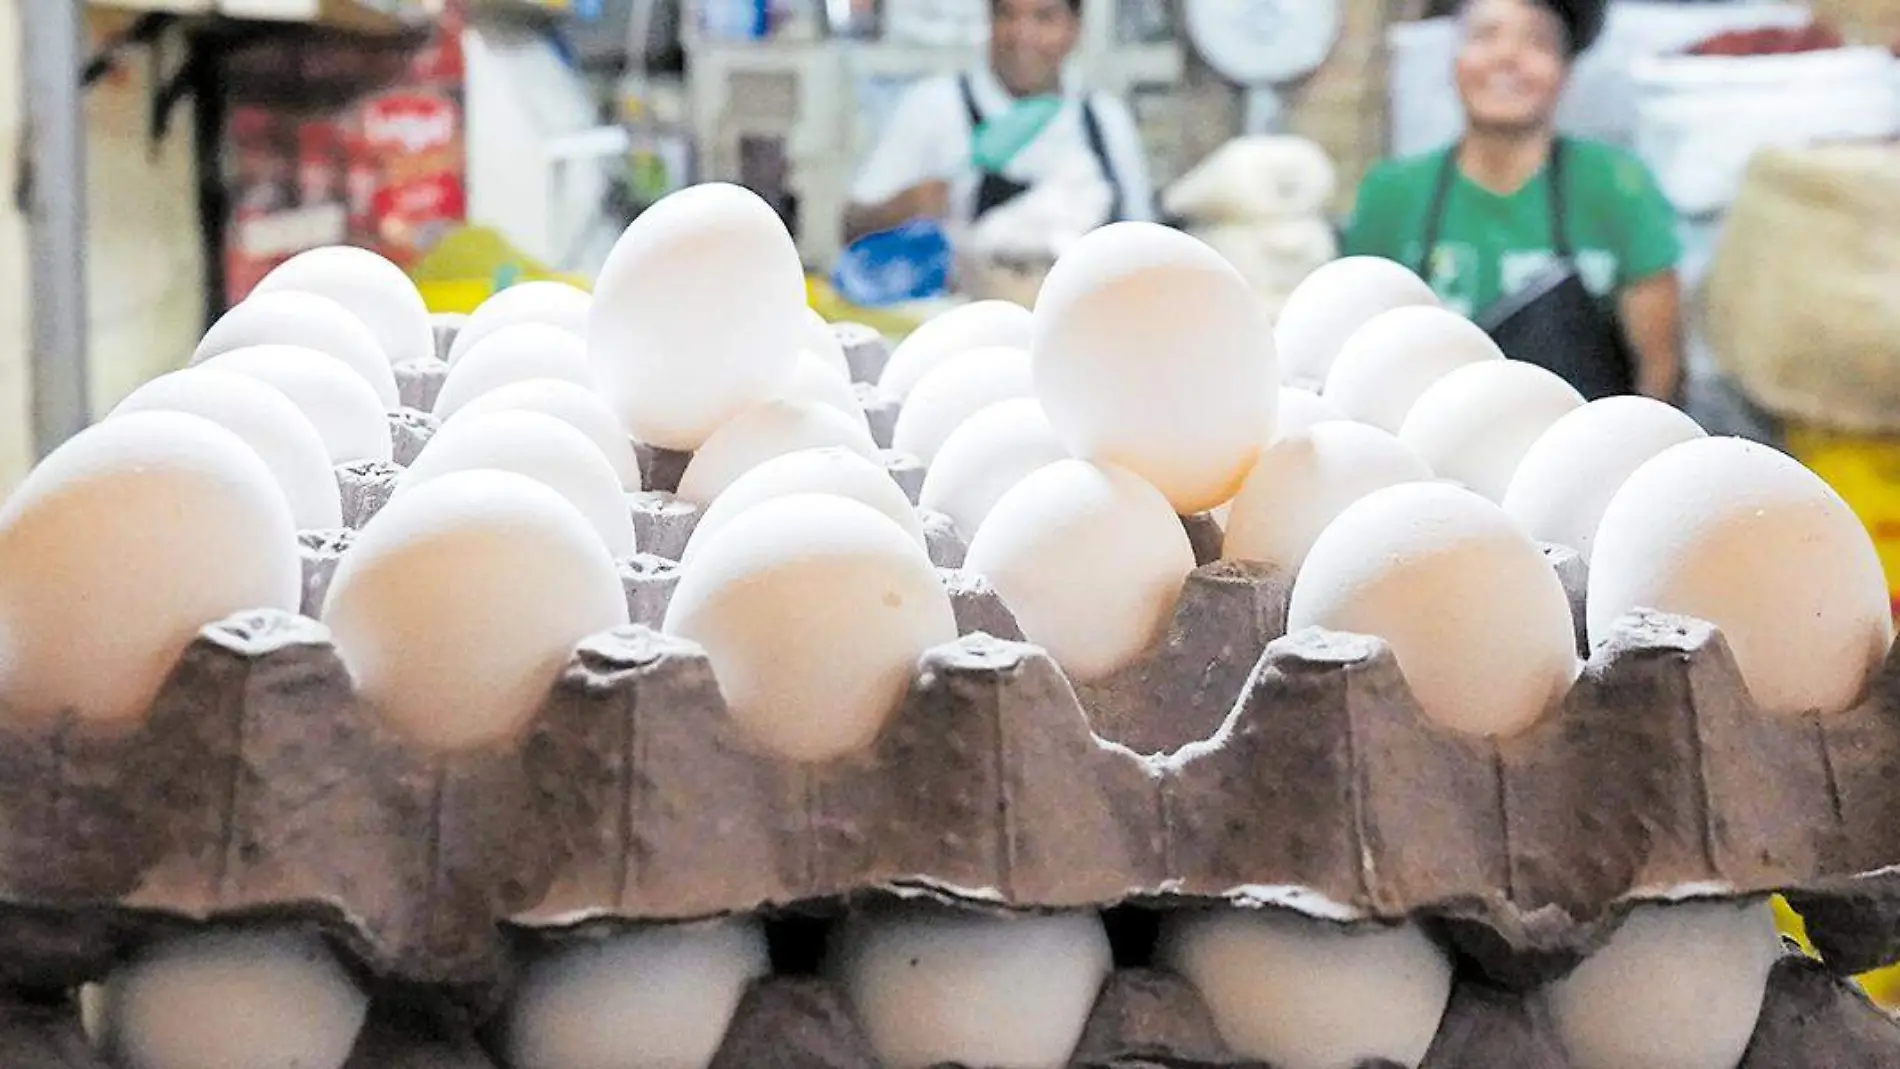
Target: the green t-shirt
pixel 1621 227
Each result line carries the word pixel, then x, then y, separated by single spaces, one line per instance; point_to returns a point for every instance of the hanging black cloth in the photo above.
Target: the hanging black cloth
pixel 994 190
pixel 1554 321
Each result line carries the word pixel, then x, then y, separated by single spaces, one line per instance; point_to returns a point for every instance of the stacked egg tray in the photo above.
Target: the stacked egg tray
pixel 1231 764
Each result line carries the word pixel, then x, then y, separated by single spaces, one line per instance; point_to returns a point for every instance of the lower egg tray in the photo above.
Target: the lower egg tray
pixel 1143 1019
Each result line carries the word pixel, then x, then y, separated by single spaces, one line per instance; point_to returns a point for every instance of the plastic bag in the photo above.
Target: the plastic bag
pixel 1699 119
pixel 1273 256
pixel 1047 218
pixel 909 263
pixel 1252 179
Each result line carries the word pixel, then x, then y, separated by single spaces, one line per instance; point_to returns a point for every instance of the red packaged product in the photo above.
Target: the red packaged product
pixel 340 139
pixel 319 163
pixel 416 140
pixel 361 180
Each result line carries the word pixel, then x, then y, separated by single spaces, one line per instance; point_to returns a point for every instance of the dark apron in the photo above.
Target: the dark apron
pixel 994 190
pixel 1554 321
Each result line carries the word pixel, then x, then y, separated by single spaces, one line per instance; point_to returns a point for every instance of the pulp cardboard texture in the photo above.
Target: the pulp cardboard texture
pixel 419 381
pixel 445 326
pixel 409 431
pixel 365 486
pixel 1230 764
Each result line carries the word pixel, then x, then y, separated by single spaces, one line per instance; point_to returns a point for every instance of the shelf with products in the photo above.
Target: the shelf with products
pixel 76 42
pixel 366 17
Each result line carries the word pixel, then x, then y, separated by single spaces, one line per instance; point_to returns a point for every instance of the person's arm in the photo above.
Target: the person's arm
pixel 1121 140
pixel 1652 318
pixel 904 176
pixel 929 199
pixel 1649 300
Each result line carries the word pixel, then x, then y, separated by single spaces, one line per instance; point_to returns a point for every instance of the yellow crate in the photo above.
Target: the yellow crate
pixel 463 269
pixel 463 295
pixel 1865 471
pixel 894 322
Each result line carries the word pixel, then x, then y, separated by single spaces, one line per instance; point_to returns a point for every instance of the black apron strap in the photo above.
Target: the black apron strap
pixel 969 101
pixel 1559 238
pixel 1441 192
pixel 992 189
pixel 1092 130
pixel 1435 213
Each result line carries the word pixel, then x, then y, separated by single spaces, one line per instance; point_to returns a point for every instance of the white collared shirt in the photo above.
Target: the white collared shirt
pixel 928 137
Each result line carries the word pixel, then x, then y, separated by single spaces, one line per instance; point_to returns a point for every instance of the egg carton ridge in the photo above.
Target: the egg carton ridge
pixel 261 780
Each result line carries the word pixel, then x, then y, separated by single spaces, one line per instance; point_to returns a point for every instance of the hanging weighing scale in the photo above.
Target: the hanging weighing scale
pixel 1263 45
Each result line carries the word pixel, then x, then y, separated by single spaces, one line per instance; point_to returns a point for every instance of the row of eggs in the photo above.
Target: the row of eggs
pixel 1677 987
pixel 1404 496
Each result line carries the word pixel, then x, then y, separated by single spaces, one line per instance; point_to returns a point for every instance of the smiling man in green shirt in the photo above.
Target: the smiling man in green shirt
pixel 1493 226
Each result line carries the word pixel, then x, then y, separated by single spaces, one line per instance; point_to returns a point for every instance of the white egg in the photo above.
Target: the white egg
pixel 1385 365
pixel 119 546
pixel 697 314
pixel 1305 994
pixel 808 471
pixel 977 325
pixel 373 289
pixel 992 451
pixel 1333 302
pixel 1569 474
pixel 1300 409
pixel 336 400
pixel 933 986
pixel 519 353
pixel 461 601
pixel 290 317
pixel 555 304
pixel 655 997
pixel 572 403
pixel 234 999
pixel 1153 354
pixel 814 610
pixel 1744 537
pixel 815 381
pixel 956 389
pixel 1474 614
pixel 1475 424
pixel 820 341
pixel 1304 481
pixel 1090 560
pixel 763 432
pixel 544 449
pixel 282 436
pixel 1678 987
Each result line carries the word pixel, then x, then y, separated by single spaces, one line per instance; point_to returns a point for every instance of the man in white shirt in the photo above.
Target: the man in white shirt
pixel 924 165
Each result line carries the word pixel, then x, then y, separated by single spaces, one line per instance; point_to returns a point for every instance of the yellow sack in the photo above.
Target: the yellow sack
pixel 1802 301
pixel 1865 470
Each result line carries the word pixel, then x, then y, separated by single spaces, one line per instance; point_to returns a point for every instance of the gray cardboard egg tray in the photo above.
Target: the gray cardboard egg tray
pixel 1232 764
